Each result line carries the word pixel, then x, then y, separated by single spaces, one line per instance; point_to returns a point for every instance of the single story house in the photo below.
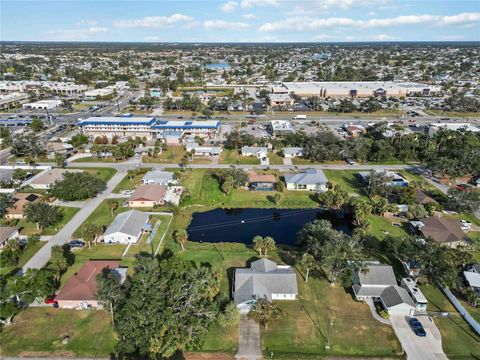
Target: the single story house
pixel 20 202
pixel 264 279
pixel 7 233
pixel 47 178
pixel 261 182
pixel 444 231
pixel 159 177
pixel 472 277
pixel 148 195
pixel 198 150
pixel 378 283
pixel 54 148
pixel 126 228
pixel 259 152
pixel 79 292
pixel 393 179
pixel 310 179
pixel 291 152
pixel 422 198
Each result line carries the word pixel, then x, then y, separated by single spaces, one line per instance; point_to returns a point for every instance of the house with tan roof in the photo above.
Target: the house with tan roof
pixel 443 230
pixel 261 182
pixel 7 233
pixel 79 292
pixel 47 178
pixel 19 203
pixel 148 195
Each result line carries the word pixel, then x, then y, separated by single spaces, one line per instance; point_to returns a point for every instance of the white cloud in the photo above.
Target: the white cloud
pixel 229 6
pixel 251 3
pixel 384 37
pixel 86 23
pixel 152 38
pixel 154 22
pixel 224 25
pixel 307 23
pixel 249 16
pixel 76 34
pixel 322 37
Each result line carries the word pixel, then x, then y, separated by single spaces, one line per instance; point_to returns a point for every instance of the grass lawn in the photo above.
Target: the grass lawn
pixel 39 332
pixel 205 191
pixel 229 156
pixel 302 161
pixel 172 155
pixel 24 257
pixel 275 159
pixel 459 341
pixel 130 182
pixel 105 173
pixel 455 114
pixel 96 160
pixel 347 179
pixel 28 228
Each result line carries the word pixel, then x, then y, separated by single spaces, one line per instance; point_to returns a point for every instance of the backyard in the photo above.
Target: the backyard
pixel 229 156
pixel 172 155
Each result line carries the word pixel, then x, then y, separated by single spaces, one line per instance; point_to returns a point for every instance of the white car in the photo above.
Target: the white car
pixel 128 192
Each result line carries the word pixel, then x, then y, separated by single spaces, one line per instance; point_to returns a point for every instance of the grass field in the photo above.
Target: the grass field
pixel 347 179
pixel 96 160
pixel 24 257
pixel 39 332
pixel 234 157
pixel 28 228
pixel 104 173
pixel 130 181
pixel 455 114
pixel 458 339
pixel 275 159
pixel 172 155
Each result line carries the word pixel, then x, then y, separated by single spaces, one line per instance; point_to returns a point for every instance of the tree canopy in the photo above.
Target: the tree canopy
pixel 77 186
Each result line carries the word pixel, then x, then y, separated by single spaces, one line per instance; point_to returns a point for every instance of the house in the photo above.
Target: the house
pixel 393 179
pixel 291 152
pixel 444 231
pixel 261 182
pixel 422 198
pixel 20 202
pixel 159 177
pixel 281 127
pixel 148 195
pixel 7 233
pixel 378 283
pixel 310 180
pixel 472 277
pixel 54 148
pixel 79 292
pixel 47 178
pixel 6 175
pixel 126 228
pixel 198 150
pixel 259 152
pixel 264 279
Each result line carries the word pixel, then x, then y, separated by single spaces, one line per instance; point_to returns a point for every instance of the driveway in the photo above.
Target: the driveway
pixel 41 258
pixel 248 340
pixel 416 347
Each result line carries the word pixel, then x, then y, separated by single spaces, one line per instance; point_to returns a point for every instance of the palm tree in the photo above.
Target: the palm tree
pixel 181 237
pixel 307 263
pixel 112 205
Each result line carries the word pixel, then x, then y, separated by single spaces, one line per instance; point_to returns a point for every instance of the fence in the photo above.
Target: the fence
pixel 468 318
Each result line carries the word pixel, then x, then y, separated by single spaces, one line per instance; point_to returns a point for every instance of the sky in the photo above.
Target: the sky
pixel 240 20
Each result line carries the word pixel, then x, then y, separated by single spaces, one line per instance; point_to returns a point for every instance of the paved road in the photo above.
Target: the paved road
pixel 41 258
pixel 248 340
pixel 419 348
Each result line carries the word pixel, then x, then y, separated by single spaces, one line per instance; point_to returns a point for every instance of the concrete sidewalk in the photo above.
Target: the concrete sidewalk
pixel 248 340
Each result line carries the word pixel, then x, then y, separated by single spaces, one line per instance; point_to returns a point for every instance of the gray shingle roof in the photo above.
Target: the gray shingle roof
pixel 396 295
pixel 377 275
pixel 308 177
pixel 158 176
pixel 262 280
pixel 130 222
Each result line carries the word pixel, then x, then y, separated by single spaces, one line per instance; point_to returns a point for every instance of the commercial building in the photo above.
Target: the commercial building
pixel 43 105
pixel 150 127
pixel 434 127
pixel 356 88
pixel 54 87
pixel 98 93
pixel 280 100
pixel 281 127
pixel 8 101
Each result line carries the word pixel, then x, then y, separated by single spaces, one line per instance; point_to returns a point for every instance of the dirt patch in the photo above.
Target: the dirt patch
pixel 208 356
pixel 46 354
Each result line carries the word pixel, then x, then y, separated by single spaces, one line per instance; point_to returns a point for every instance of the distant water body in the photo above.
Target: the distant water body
pixel 217 66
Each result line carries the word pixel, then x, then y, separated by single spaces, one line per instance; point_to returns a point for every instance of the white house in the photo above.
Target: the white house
pixel 309 180
pixel 159 177
pixel 264 279
pixel 291 152
pixel 259 152
pixel 126 228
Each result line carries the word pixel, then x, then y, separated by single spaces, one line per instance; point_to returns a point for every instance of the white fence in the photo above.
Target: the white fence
pixel 468 318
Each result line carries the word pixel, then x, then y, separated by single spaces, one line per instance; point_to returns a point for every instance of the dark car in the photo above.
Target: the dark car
pixel 76 244
pixel 417 327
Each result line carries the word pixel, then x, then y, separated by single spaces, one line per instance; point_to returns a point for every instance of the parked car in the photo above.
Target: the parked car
pixel 417 327
pixel 50 300
pixel 76 244
pixel 127 192
pixel 21 162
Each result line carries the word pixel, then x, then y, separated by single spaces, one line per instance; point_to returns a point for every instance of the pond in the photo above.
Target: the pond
pixel 241 225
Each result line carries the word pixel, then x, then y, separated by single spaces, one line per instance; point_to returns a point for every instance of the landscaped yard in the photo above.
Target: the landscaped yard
pixel 172 155
pixel 39 332
pixel 235 157
pixel 28 228
pixel 347 179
